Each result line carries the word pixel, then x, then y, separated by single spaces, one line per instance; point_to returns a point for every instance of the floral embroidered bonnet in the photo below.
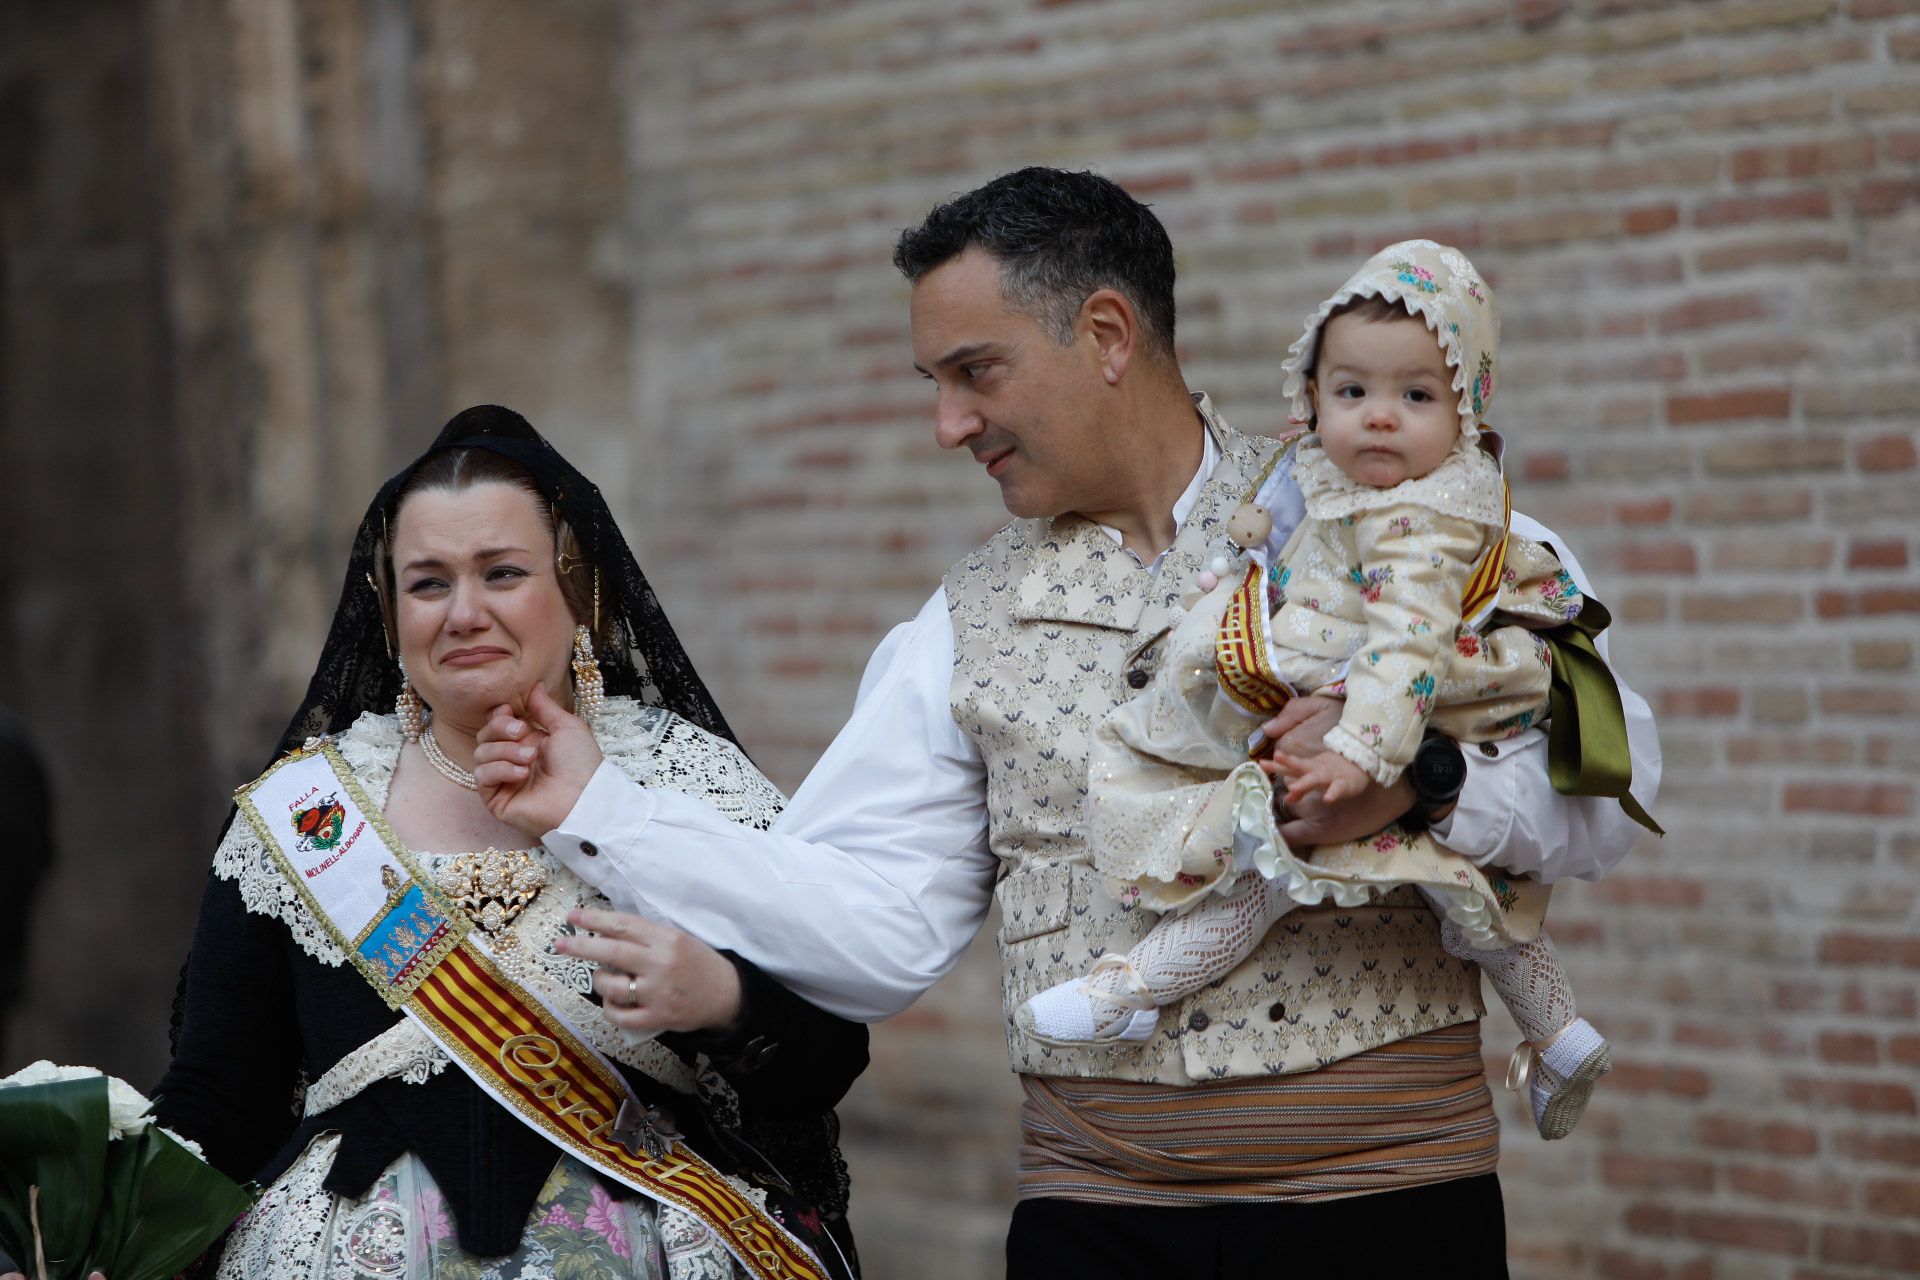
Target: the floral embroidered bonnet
pixel 1439 285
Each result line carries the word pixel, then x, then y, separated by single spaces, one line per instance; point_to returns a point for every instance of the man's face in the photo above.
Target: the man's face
pixel 1028 409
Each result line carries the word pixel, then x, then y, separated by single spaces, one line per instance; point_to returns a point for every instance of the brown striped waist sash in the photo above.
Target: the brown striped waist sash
pixel 1412 1112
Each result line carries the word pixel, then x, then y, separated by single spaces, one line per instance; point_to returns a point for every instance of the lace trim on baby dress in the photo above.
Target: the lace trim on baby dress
pixel 1466 485
pixel 1258 842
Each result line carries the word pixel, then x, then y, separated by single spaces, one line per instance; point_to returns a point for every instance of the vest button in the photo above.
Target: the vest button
pixel 1277 1012
pixel 1138 678
pixel 1199 1021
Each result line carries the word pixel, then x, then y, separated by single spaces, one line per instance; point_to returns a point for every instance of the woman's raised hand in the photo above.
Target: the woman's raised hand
pixel 532 768
pixel 652 976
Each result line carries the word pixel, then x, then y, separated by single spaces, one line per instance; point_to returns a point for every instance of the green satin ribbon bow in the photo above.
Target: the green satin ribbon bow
pixel 1587 735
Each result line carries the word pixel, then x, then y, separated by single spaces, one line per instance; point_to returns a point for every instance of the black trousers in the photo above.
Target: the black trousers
pixel 1456 1228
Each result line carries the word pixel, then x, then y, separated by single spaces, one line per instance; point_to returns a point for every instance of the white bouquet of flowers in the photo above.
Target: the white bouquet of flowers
pixel 89 1183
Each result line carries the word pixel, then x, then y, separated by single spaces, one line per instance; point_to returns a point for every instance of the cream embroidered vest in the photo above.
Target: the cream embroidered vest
pixel 1054 625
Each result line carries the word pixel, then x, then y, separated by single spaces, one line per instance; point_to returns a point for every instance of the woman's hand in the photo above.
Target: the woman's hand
pixel 532 769
pixel 654 977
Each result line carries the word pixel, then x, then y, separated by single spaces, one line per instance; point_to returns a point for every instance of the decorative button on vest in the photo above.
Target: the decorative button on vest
pixel 1138 678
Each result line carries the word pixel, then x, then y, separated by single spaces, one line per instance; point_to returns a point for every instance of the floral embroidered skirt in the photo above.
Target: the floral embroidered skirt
pixel 401 1229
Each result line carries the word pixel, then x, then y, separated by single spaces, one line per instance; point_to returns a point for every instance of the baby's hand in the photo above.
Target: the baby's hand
pixel 1328 772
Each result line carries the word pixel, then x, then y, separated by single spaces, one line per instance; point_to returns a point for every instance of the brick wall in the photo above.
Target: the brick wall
pixel 1702 221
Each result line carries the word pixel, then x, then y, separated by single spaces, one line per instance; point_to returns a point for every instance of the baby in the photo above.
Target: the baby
pixel 1400 591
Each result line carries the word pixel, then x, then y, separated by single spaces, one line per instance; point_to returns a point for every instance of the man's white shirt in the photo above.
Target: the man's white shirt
pixel 872 883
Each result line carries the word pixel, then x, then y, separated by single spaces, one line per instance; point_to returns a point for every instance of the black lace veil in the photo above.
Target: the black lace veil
pixel 639 655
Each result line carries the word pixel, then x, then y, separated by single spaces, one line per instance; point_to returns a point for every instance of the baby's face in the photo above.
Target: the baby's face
pixel 1384 399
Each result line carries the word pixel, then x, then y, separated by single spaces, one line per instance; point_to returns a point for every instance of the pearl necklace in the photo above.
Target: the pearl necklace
pixel 430 747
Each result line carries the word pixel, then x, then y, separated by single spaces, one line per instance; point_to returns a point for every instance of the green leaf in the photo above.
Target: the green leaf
pixel 53 1136
pixel 179 1205
pixel 119 1185
pixel 140 1208
pixel 554 1236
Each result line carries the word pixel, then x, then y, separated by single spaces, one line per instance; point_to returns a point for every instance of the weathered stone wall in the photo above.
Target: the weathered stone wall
pixel 93 573
pixel 251 253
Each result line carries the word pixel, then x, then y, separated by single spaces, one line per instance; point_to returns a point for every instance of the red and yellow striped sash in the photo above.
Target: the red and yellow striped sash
pixel 419 954
pixel 1483 587
pixel 1240 655
pixel 534 1063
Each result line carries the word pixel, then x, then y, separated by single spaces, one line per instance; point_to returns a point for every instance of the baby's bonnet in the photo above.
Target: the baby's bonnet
pixel 1439 285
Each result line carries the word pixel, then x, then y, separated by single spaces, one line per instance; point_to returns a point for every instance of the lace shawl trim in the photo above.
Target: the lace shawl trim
pixel 371 748
pixel 402 1050
pixel 1466 485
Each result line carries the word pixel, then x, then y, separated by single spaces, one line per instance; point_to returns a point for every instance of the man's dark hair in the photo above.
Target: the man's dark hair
pixel 1059 237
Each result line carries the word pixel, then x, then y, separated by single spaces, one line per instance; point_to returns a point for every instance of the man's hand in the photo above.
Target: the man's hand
pixel 532 769
pixel 1298 731
pixel 1302 723
pixel 652 976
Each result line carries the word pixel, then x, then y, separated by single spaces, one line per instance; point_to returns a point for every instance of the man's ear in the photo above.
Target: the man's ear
pixel 1109 319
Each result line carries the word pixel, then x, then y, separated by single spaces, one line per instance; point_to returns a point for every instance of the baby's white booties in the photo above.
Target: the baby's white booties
pixel 1560 1078
pixel 1110 1003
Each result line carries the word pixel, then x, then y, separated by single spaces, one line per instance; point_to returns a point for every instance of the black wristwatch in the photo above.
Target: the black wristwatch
pixel 1438 772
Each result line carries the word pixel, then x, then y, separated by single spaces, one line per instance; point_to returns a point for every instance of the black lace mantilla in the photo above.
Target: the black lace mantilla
pixel 807 1154
pixel 640 656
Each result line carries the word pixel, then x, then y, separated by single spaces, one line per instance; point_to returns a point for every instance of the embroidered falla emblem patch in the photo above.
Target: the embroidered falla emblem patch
pixel 321 826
